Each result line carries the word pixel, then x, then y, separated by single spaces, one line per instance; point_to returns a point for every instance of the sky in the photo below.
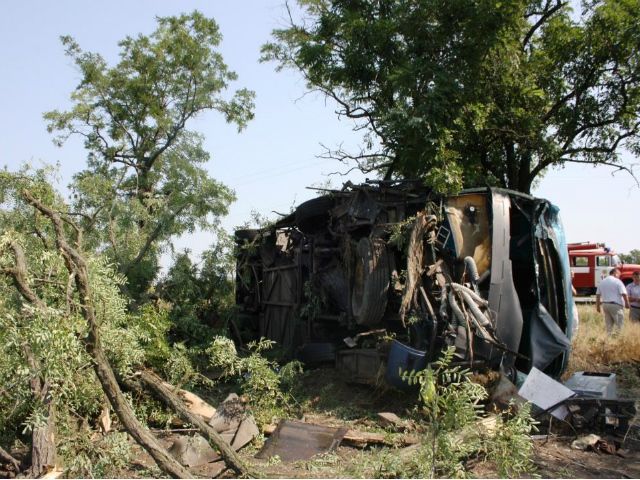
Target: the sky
pixel 272 162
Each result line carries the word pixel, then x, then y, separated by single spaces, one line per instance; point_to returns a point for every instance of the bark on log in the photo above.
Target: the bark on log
pixel 76 265
pixel 155 383
pixel 43 445
pixel 7 457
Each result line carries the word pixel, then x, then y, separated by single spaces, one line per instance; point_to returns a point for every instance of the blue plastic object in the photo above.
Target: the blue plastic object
pixel 403 358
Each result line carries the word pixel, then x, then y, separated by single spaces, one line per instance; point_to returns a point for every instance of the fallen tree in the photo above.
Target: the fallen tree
pixel 77 267
pixel 43 447
pixel 160 389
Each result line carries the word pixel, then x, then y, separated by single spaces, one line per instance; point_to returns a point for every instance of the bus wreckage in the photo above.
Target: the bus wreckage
pixel 485 272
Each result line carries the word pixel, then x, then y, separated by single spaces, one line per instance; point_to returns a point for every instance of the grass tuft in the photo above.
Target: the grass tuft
pixel 593 350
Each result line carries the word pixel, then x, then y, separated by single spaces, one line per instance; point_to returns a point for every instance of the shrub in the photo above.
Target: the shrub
pixel 450 405
pixel 265 384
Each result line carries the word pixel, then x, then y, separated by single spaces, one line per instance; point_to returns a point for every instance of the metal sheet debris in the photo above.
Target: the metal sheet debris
pixel 593 384
pixel 192 451
pixel 545 392
pixel 293 441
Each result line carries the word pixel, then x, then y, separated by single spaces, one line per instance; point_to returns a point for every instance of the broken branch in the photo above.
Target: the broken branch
pixel 77 265
pixel 155 383
pixel 7 457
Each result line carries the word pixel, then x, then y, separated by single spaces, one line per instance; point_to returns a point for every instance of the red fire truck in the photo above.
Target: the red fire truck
pixel 591 262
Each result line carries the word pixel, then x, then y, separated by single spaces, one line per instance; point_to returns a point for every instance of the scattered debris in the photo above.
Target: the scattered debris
pixel 586 441
pixel 504 395
pixel 230 420
pixel 360 365
pixel 546 393
pixel 300 441
pixel 193 451
pixel 601 414
pixel 604 446
pixel 357 438
pixel 233 423
pixel 229 414
pixel 593 384
pixel 167 395
pixel 387 419
pixel 598 444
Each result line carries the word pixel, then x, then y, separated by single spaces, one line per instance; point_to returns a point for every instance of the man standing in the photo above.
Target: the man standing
pixel 633 290
pixel 613 297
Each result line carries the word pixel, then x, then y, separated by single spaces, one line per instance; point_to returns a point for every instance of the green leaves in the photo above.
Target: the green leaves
pixel 449 404
pixel 146 181
pixel 43 338
pixel 263 382
pixel 470 93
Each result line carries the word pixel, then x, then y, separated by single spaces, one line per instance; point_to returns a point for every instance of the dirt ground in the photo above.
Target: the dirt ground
pixel 556 459
pixel 333 402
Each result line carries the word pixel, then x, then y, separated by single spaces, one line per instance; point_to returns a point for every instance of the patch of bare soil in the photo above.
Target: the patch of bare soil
pixel 556 459
pixel 324 398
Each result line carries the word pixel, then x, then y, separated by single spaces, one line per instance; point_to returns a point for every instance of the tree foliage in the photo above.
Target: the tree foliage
pixel 200 297
pixel 467 93
pixel 146 181
pixel 41 323
pixel 69 336
pixel 632 257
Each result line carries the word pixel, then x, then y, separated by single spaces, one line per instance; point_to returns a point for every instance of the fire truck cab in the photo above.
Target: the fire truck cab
pixel 591 262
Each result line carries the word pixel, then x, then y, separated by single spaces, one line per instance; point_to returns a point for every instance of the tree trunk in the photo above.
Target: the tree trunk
pixel 512 166
pixel 230 457
pixel 126 415
pixel 524 174
pixel 43 444
pixel 76 265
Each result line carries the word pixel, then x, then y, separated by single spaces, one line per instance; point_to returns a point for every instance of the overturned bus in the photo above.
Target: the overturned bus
pixel 392 273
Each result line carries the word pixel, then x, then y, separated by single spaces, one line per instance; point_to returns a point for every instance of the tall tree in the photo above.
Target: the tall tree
pixel 473 92
pixel 145 181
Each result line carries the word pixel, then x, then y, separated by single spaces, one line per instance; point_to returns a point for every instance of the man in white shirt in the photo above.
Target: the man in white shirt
pixel 612 295
pixel 633 290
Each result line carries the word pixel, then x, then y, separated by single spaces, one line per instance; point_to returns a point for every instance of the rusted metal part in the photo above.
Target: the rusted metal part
pixel 601 414
pixel 481 271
